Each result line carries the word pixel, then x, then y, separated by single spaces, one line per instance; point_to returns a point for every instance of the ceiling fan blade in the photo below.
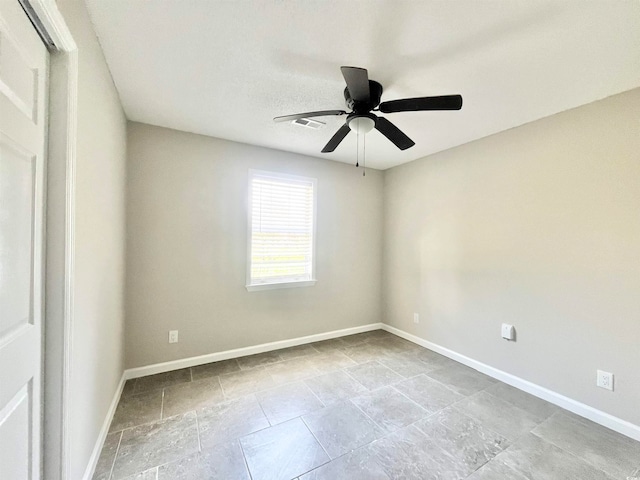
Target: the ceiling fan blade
pixel 444 102
pixel 357 82
pixel 336 139
pixel 288 118
pixel 393 133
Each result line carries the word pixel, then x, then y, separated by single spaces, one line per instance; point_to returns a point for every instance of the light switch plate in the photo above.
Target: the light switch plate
pixel 173 336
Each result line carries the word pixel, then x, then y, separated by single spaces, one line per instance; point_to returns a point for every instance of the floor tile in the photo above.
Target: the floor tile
pixel 243 383
pixel 360 464
pixel 289 401
pixel 379 334
pixel 419 415
pixel 355 339
pixel 282 452
pixel 605 449
pixel 433 360
pixel 393 345
pixel 341 428
pixel 429 394
pixel 332 361
pixel 408 454
pixel 390 409
pixel 107 457
pixel 151 474
pixel 258 360
pixel 329 345
pixel 363 352
pixel 374 375
pixel 184 397
pixel 150 445
pixel 497 415
pixel 496 470
pixel 406 364
pixel 129 387
pixel 214 369
pixel 230 420
pixel 467 441
pixel 225 461
pixel 297 351
pixel 536 459
pixel 133 410
pixel 292 370
pixel 464 380
pixel 537 407
pixel 335 387
pixel 161 380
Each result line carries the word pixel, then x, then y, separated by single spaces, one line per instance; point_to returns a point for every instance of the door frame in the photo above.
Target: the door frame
pixel 59 233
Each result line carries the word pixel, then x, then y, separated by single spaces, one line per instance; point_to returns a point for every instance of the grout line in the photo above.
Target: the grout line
pixel 319 443
pixel 244 457
pixel 367 415
pixel 115 457
pixel 162 406
pixel 345 370
pixel 158 420
pixel 413 401
pixel 198 432
pixel 263 412
pixel 550 442
pixel 313 393
pixel 224 398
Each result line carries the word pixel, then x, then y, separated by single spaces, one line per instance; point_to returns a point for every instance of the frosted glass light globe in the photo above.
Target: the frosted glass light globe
pixel 362 124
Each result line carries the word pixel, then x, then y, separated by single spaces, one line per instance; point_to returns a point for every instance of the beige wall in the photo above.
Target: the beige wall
pixel 97 353
pixel 538 226
pixel 187 248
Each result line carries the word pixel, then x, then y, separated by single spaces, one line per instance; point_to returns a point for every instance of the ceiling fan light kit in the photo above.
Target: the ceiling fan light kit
pixel 361 124
pixel 362 96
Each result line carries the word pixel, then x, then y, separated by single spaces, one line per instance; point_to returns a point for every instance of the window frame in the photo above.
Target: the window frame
pixel 253 287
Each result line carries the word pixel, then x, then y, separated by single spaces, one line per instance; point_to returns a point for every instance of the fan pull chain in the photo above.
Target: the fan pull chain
pixel 364 155
pixel 357 149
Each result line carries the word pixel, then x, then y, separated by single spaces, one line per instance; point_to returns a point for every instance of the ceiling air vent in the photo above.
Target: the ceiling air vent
pixel 307 122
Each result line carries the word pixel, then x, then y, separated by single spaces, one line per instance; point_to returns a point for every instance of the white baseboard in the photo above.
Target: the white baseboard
pixel 241 352
pixel 200 360
pixel 95 454
pixel 593 414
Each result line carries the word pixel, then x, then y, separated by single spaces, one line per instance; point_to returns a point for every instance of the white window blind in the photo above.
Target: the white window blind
pixel 281 224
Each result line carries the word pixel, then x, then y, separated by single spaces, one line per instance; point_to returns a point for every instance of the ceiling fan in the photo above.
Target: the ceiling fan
pixel 362 97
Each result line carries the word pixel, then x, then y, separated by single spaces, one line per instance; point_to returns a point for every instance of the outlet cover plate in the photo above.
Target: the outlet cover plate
pixel 508 332
pixel 173 336
pixel 605 380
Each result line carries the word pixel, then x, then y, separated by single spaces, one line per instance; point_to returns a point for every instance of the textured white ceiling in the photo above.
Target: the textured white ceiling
pixel 226 68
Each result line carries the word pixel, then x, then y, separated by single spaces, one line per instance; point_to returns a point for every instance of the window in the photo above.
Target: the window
pixel 281 231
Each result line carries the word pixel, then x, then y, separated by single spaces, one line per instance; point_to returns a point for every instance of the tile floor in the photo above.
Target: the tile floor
pixel 368 406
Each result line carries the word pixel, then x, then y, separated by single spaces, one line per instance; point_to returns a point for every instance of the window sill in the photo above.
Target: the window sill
pixel 273 286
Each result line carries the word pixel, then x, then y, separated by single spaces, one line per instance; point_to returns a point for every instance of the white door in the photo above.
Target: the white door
pixel 23 84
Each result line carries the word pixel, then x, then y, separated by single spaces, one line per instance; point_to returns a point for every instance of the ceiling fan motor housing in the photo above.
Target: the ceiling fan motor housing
pixel 375 93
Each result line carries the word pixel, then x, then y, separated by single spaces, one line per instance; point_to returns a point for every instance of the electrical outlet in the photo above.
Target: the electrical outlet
pixel 416 318
pixel 173 336
pixel 605 380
